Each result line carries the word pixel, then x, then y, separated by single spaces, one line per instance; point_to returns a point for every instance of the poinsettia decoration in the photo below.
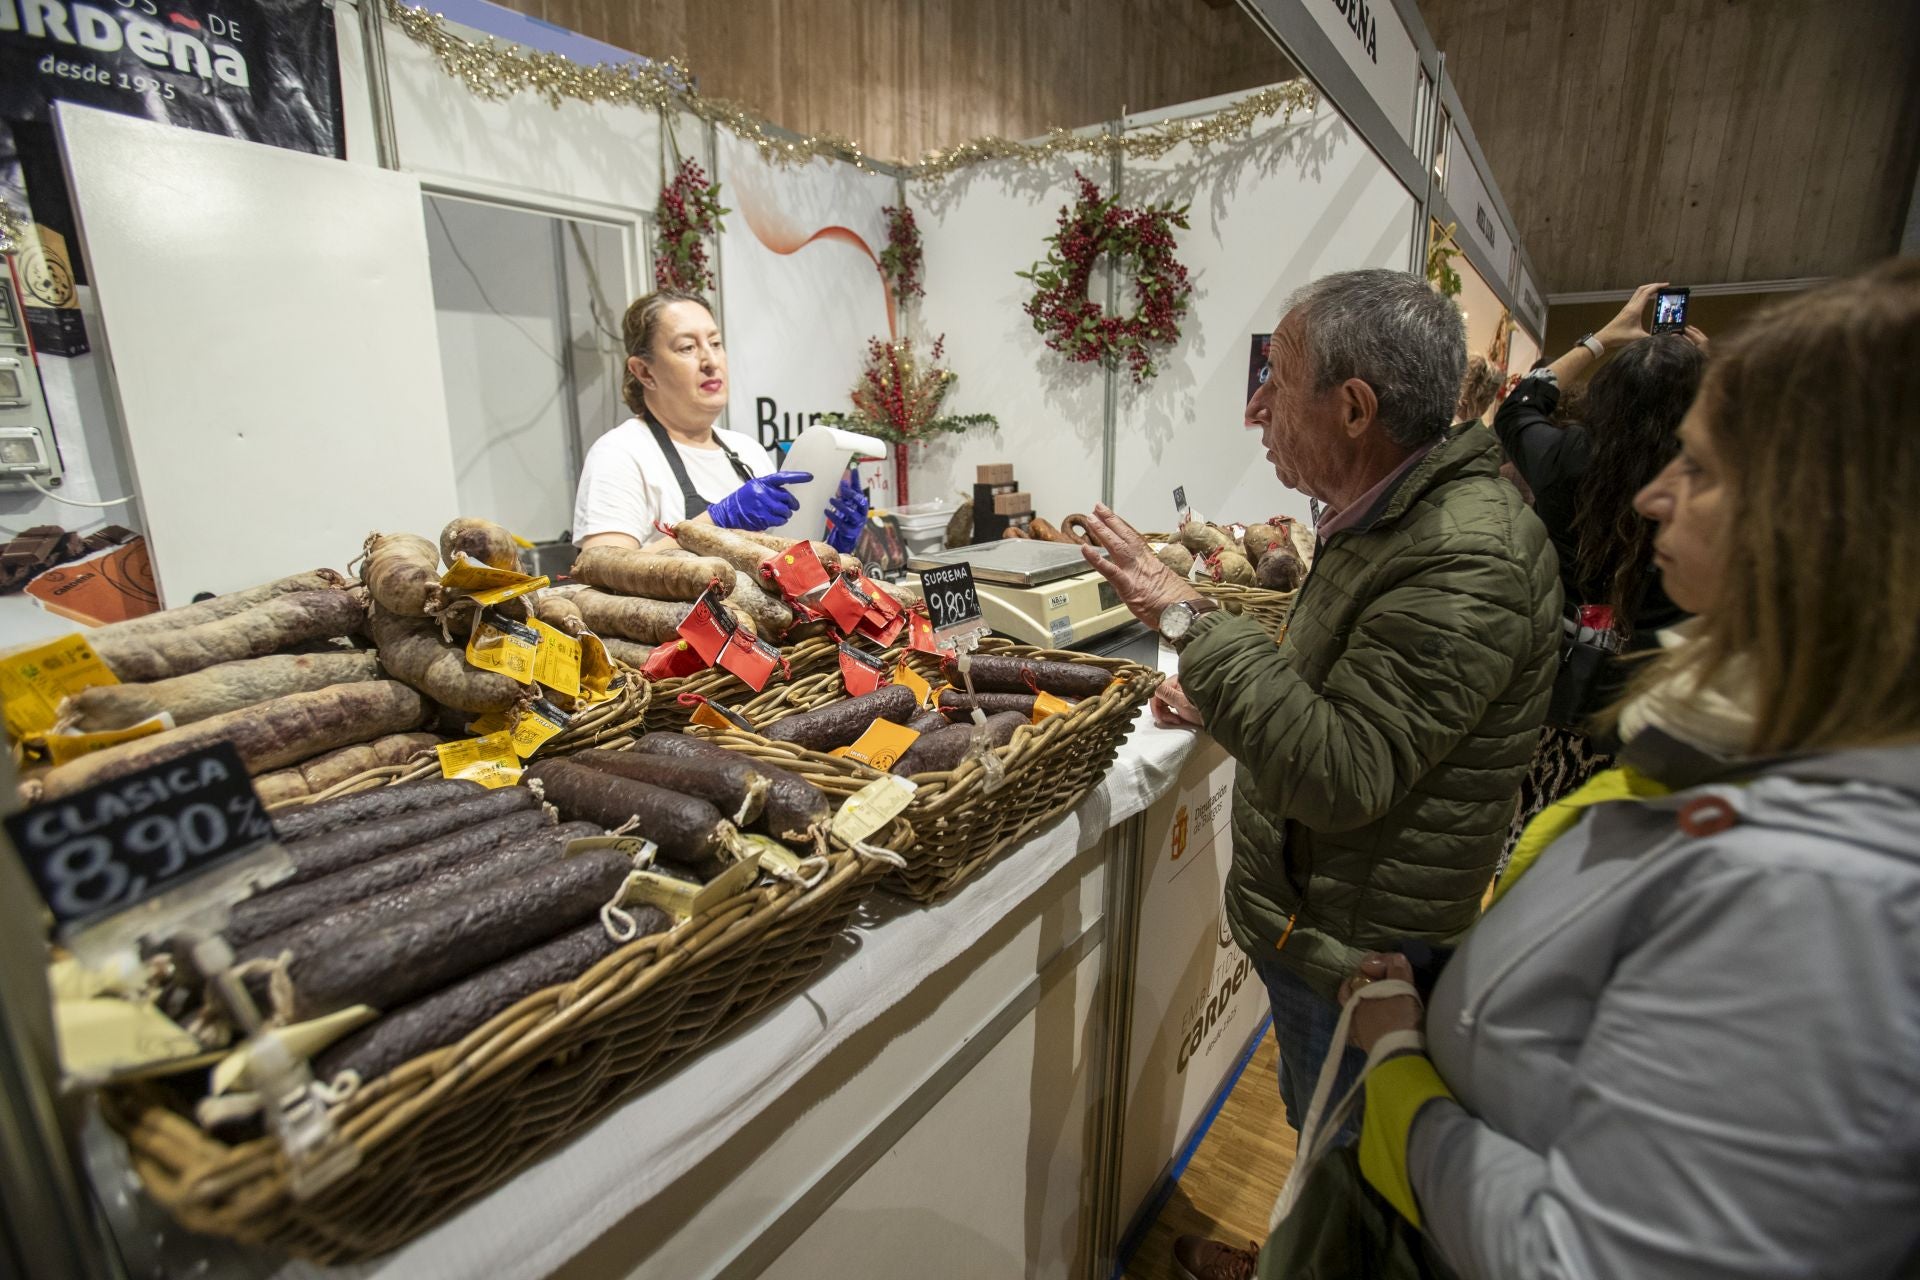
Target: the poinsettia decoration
pixel 688 214
pixel 899 394
pixel 1098 226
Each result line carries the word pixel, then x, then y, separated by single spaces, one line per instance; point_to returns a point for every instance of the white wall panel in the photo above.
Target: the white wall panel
pixel 980 227
pixel 1287 205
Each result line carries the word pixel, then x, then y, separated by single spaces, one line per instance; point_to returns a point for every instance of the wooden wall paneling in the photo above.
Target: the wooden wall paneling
pixel 1705 136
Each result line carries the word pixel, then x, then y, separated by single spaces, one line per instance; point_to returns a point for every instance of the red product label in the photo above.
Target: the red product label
pixel 845 605
pixel 860 672
pixel 708 627
pixel 920 630
pixel 796 571
pixel 750 658
pixel 882 633
pixel 676 659
pixel 883 600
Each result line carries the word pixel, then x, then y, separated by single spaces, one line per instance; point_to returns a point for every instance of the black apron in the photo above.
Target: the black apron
pixel 696 504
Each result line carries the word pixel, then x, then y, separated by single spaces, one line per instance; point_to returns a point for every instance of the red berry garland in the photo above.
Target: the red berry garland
pixel 689 212
pixel 900 260
pixel 1080 328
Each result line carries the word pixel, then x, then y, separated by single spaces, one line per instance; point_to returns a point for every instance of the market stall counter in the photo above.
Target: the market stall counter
pixel 950 1088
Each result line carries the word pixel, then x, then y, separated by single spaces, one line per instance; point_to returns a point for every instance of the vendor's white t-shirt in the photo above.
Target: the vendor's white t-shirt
pixel 627 484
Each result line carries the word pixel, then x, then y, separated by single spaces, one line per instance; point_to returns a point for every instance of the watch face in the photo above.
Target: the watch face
pixel 1176 620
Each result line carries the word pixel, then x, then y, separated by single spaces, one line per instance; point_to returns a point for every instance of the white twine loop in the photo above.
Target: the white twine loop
pixel 617 920
pixel 879 854
pixel 340 1089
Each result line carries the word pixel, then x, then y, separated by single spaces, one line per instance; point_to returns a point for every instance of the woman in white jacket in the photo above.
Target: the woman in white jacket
pixel 1685 1039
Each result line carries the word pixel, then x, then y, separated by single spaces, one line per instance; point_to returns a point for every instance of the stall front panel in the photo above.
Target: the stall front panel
pixel 981 226
pixel 1287 205
pixel 800 271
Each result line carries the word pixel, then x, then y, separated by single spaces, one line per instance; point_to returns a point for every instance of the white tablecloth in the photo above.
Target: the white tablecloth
pixel 550 1211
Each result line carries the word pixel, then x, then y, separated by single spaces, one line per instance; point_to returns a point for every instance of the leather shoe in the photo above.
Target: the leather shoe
pixel 1198 1258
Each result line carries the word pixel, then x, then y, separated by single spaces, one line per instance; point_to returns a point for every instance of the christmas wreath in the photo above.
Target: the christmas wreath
pixel 1080 328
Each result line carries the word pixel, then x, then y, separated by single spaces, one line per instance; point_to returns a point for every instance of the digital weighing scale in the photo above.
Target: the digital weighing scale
pixel 1039 593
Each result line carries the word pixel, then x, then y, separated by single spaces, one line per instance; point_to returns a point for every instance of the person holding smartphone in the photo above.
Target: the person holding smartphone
pixel 1583 476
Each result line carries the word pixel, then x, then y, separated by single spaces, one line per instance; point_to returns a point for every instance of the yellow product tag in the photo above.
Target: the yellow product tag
pixel 773 855
pixel 469 575
pixel 489 761
pixel 556 662
pixel 535 726
pixel 1047 704
pixel 499 595
pixel 501 645
pixel 33 681
pixel 683 900
pixel 632 846
pixel 596 669
pixel 524 544
pixel 491 722
pixel 871 808
pixel 881 745
pixel 907 676
pixel 301 1040
pixel 71 746
pixel 103 1038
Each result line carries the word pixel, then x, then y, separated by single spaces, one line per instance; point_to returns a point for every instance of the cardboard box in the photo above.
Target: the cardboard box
pixel 1012 504
pixel 995 473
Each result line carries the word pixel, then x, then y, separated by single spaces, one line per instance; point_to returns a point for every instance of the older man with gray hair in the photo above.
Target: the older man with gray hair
pixel 1382 741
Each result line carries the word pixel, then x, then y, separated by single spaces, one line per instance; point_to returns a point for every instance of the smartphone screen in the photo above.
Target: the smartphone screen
pixel 1669 310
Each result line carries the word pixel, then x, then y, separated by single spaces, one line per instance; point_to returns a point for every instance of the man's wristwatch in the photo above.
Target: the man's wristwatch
pixel 1593 345
pixel 1177 619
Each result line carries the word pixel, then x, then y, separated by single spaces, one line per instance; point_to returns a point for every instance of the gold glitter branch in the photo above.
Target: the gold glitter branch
pixel 12 233
pixel 496 71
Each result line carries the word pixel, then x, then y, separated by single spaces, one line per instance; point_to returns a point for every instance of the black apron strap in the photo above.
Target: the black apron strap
pixel 696 505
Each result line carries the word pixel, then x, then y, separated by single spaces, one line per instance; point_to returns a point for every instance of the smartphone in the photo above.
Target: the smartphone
pixel 1670 311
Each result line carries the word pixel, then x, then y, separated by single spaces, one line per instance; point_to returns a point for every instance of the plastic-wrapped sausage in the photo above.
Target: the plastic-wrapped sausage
pixel 947 748
pixel 338 850
pixel 794 805
pixel 841 723
pixel 370 806
pixel 687 828
pixel 729 783
pixel 992 674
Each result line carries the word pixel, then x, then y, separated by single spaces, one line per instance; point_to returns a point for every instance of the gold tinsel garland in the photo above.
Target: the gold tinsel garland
pixel 13 232
pixel 497 71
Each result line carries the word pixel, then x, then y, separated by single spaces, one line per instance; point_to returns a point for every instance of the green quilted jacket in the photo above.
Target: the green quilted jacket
pixel 1381 744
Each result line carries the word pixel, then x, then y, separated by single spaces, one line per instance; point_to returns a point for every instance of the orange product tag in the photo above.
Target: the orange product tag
pixel 881 745
pixel 796 571
pixel 706 715
pixel 1047 704
pixel 907 676
pixel 713 714
pixel 860 672
pixel 750 658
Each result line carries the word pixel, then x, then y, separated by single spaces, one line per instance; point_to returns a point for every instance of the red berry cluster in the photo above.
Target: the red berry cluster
pixel 689 212
pixel 1080 328
pixel 899 394
pixel 900 261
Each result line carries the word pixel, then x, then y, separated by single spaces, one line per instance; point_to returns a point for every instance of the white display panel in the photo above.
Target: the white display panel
pixel 1282 208
pixel 1196 999
pixel 268 316
pixel 1375 43
pixel 1522 353
pixel 596 153
pixel 1473 204
pixel 980 227
pixel 1481 306
pixel 803 291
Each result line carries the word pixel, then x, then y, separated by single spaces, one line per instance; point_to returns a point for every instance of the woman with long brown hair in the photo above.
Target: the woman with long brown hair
pixel 1685 1039
pixel 1583 476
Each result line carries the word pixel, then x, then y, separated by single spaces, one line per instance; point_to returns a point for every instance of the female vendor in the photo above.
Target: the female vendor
pixel 669 462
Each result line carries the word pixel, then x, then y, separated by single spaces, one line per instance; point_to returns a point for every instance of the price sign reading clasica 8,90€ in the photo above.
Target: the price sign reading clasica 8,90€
pixel 951 600
pixel 102 850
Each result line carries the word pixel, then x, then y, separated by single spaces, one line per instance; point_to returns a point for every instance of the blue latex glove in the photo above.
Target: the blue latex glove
pixel 760 503
pixel 847 515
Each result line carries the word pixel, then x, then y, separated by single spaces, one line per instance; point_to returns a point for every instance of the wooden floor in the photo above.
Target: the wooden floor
pixel 1228 1188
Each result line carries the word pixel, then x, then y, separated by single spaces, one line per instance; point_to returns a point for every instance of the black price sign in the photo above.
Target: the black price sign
pixel 104 849
pixel 952 602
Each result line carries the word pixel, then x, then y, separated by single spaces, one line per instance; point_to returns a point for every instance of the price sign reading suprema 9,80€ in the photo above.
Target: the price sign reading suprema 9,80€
pixel 952 602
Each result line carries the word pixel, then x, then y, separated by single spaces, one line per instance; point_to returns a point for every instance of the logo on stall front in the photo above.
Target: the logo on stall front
pixel 130 26
pixel 1212 1008
pixel 1180 833
pixel 1360 21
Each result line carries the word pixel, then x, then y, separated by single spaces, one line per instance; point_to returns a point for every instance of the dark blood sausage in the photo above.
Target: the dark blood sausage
pixel 390 964
pixel 687 828
pixel 338 850
pixel 842 723
pixel 946 748
pixel 927 722
pixel 473 870
pixel 794 805
pixel 369 806
pixel 730 783
pixel 1011 675
pixel 282 908
pixel 958 705
pixel 451 1013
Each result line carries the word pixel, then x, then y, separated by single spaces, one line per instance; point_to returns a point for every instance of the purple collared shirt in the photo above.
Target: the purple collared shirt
pixel 1332 522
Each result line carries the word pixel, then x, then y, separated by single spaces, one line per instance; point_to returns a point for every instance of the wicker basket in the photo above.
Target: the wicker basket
pixel 807 658
pixel 1270 609
pixel 958 826
pixel 604 724
pixel 454 1123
